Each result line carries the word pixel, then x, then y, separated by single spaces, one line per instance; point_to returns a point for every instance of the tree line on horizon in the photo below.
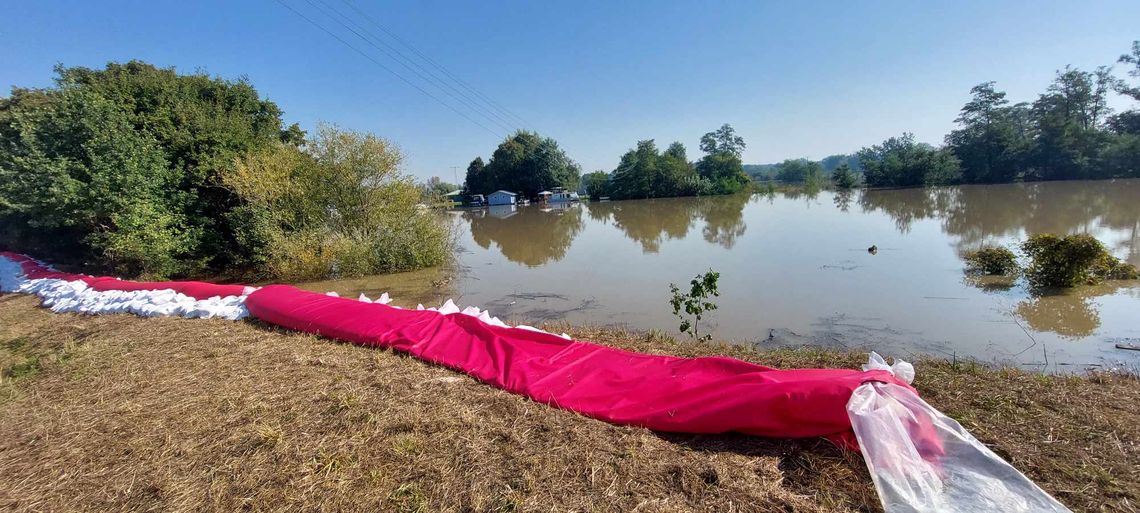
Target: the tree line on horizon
pixel 527 163
pixel 1067 133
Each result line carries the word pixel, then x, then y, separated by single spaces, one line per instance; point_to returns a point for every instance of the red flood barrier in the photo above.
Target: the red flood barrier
pixel 659 392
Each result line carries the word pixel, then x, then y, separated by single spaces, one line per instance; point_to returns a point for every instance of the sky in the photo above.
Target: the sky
pixel 795 79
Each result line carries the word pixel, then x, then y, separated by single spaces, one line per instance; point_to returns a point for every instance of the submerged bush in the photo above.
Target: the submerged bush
pixel 994 261
pixel 1109 267
pixel 340 207
pixel 1071 260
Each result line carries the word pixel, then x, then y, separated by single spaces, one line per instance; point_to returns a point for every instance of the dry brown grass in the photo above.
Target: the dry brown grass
pixel 128 414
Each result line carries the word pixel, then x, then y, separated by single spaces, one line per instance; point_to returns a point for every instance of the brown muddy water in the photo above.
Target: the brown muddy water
pixel 795 269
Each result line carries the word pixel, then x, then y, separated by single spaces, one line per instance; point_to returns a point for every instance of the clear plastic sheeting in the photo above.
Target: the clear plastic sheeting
pixel 924 461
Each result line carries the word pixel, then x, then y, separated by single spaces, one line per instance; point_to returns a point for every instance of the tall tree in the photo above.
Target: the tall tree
pixel 989 144
pixel 1068 119
pixel 477 179
pixel 721 166
pixel 723 140
pixel 596 184
pixel 527 163
pixel 637 173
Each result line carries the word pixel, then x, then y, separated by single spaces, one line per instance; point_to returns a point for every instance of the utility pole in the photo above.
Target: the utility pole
pixel 455 174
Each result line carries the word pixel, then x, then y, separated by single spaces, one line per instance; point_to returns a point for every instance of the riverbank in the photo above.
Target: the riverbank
pixel 125 413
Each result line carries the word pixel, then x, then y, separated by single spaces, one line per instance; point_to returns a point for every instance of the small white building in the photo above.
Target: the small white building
pixel 501 198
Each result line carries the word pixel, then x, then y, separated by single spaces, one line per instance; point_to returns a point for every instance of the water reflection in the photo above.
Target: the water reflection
pixel 648 222
pixel 1070 313
pixel 530 236
pixel 724 219
pixel 978 214
pixel 652 222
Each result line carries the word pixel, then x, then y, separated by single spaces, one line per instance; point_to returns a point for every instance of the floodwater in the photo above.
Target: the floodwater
pixel 795 269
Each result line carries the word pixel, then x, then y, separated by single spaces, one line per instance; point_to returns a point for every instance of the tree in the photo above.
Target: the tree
pixel 122 165
pixel 637 174
pixel 596 184
pixel 435 189
pixel 723 140
pixel 832 162
pixel 1068 119
pixel 799 171
pixel 341 208
pixel 990 144
pixel 722 166
pixel 644 172
pixel 527 163
pixel 1133 59
pixel 902 162
pixel 843 178
pixel 477 178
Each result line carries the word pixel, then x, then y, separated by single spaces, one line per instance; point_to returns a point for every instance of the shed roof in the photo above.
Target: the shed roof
pixel 504 192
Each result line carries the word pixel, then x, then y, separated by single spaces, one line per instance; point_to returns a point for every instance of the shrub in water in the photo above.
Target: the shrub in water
pixel 995 261
pixel 1071 260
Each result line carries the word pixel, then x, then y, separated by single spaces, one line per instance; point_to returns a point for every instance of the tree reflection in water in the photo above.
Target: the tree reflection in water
pixel 652 222
pixel 530 236
pixel 1069 313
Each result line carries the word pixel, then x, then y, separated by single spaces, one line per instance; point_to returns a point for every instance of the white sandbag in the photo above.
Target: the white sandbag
pixel 923 461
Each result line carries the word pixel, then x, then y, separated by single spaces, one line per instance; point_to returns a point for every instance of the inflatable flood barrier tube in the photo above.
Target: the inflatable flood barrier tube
pixel 659 392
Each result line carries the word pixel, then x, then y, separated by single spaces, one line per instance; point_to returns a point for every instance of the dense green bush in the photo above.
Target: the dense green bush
pixel 525 163
pixel 994 261
pixel 1071 260
pixel 122 169
pixel 339 208
pixel 904 162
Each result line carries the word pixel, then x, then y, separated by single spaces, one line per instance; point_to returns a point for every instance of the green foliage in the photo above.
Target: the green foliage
pixel 799 171
pixel 993 261
pixel 722 167
pixel 723 141
pixel 342 208
pixel 1108 267
pixel 596 184
pixel 127 166
pixel 832 162
pixel 1069 120
pixel 121 165
pixel 993 139
pixel 1071 260
pixel 434 189
pixel 902 162
pixel 644 172
pixel 844 178
pixel 526 163
pixel 477 178
pixel 690 307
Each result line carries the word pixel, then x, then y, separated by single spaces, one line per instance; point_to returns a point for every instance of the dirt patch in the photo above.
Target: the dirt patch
pixel 130 414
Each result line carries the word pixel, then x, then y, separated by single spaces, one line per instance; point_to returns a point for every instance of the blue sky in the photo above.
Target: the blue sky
pixel 794 78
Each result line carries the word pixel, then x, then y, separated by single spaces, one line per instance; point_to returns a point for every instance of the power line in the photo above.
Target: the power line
pixel 466 102
pixel 386 68
pixel 486 99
